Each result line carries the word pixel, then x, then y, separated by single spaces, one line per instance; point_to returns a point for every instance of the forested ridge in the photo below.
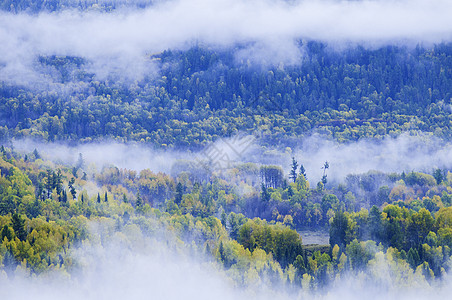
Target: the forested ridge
pixel 201 94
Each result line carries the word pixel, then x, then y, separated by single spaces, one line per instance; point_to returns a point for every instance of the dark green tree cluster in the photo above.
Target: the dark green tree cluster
pixel 349 95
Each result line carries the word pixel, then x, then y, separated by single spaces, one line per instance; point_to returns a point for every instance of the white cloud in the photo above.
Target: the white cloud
pixel 118 42
pixel 403 153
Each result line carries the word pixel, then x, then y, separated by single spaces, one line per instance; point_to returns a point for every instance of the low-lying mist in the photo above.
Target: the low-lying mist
pixel 119 43
pixel 152 269
pixel 148 269
pixel 406 153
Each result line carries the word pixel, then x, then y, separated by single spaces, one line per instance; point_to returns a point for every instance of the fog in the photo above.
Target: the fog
pixel 407 153
pixel 129 156
pixel 148 269
pixel 155 271
pixel 119 43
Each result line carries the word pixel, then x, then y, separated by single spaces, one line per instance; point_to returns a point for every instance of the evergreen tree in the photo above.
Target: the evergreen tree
pixel 36 154
pixel 326 165
pixel 290 191
pixel 74 172
pixel 302 171
pixel 71 188
pixel 324 180
pixel 3 152
pixel 139 202
pixel 58 181
pixel 223 219
pixel 338 230
pixel 63 197
pixel 375 224
pixel 19 226
pixel 179 193
pixel 34 210
pixel 7 205
pixel 413 258
pixel 293 171
pixel 6 232
pixel 221 252
pixel 49 183
pixel 265 195
pixel 438 175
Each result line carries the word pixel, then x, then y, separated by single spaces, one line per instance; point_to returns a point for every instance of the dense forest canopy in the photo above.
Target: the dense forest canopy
pixel 201 94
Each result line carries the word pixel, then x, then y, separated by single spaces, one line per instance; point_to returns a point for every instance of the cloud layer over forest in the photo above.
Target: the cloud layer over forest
pixel 404 153
pixel 118 42
pixel 154 271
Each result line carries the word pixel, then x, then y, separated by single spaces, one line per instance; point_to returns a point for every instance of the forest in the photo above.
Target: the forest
pixel 403 220
pixel 257 164
pixel 203 94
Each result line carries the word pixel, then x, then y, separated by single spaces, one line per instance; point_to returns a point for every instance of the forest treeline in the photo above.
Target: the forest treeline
pixel 401 220
pixel 39 6
pixel 201 94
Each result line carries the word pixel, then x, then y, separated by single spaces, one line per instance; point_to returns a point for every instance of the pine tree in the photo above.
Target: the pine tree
pixel 6 232
pixel 438 175
pixel 71 188
pixel 139 202
pixel 324 180
pixel 326 165
pixel 265 194
pixel 221 252
pixel 49 183
pixel 36 154
pixel 223 219
pixel 290 191
pixel 58 181
pixel 293 172
pixel 19 226
pixel 63 197
pixel 302 171
pixel 179 193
